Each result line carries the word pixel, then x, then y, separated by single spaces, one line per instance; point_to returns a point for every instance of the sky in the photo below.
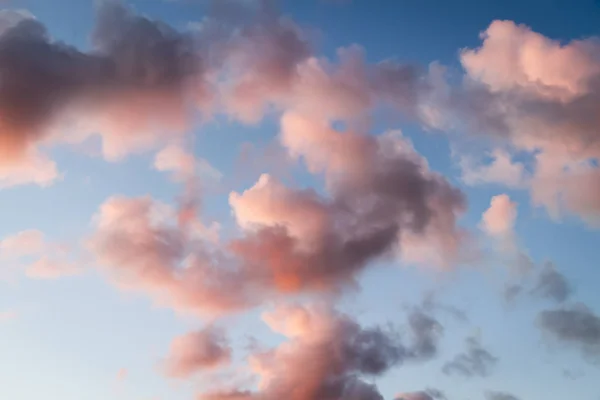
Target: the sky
pixel 310 200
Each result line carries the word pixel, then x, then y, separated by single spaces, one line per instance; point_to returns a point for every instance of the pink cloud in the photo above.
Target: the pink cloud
pixel 357 165
pixel 122 374
pixel 513 56
pixel 139 244
pixel 34 168
pixel 541 96
pixel 197 351
pixel 50 268
pixel 499 219
pixel 327 354
pixel 29 242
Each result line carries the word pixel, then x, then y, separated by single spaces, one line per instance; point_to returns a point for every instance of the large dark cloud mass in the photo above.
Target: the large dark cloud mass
pixel 575 325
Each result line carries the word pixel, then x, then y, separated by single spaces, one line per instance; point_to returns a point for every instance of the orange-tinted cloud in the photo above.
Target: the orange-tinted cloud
pixel 327 355
pixel 541 96
pixel 196 352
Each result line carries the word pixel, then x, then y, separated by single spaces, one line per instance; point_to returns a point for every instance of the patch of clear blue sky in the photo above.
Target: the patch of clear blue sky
pixel 74 334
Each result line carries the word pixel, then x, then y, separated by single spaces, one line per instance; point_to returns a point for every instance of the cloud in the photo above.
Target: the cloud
pixel 51 260
pixel 517 88
pixel 475 362
pixel 576 325
pixel 425 332
pixel 136 66
pixel 500 170
pixel 51 268
pixel 381 196
pixel 391 177
pixel 22 244
pixel 500 396
pixel 139 243
pixel 512 291
pixel 35 168
pixel 431 305
pixel 326 356
pixel 122 374
pixel 429 394
pixel 552 284
pixel 196 352
pixel 499 219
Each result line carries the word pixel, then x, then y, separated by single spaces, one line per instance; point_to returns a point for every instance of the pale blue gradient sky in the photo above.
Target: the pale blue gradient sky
pixel 71 336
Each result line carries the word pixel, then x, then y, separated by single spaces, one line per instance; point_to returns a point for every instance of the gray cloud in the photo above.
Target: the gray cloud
pixel 476 361
pixel 500 396
pixel 512 291
pixel 425 332
pixel 552 284
pixel 576 325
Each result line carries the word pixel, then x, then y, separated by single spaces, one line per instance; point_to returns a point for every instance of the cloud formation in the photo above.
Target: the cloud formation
pixel 429 394
pixel 517 87
pixel 198 351
pixel 136 65
pixel 140 245
pixel 326 356
pixel 576 325
pixel 500 396
pixel 552 284
pixel 41 258
pixel 476 361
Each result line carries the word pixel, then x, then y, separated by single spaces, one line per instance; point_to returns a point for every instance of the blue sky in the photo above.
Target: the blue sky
pixel 70 336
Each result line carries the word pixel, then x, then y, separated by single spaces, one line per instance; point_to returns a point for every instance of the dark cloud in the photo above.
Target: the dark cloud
pixel 476 361
pixel 425 332
pixel 432 305
pixel 576 325
pixel 552 284
pixel 500 396
pixel 136 62
pixel 512 291
pixel 327 356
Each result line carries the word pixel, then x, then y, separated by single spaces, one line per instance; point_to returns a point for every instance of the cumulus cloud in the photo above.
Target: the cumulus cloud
pixel 517 87
pixel 136 66
pixel 476 361
pixel 392 179
pixel 140 245
pixel 35 168
pixel 326 356
pixel 141 85
pixel 197 351
pixel 381 197
pixel 498 222
pixel 576 325
pixel 499 219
